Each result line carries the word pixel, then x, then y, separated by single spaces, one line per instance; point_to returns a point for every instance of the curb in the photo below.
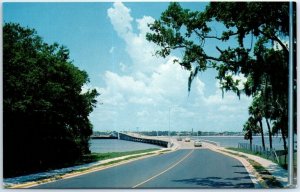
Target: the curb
pixel 258 177
pixel 280 179
pixel 254 176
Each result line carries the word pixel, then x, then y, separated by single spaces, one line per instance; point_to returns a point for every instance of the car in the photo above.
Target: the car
pixel 179 139
pixel 187 139
pixel 197 143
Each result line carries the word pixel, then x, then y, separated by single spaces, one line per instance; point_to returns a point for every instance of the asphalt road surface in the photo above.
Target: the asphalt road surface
pixel 185 168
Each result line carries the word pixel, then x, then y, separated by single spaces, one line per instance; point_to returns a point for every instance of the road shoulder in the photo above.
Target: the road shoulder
pixel 273 175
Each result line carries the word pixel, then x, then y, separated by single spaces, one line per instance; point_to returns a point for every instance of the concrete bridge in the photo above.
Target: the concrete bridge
pixel 138 138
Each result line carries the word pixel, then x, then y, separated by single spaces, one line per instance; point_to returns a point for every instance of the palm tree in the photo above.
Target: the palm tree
pixel 256 111
pixel 250 127
pixel 266 98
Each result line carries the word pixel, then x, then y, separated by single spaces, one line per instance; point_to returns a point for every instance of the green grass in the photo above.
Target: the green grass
pixel 265 174
pixel 112 162
pixel 269 180
pixel 103 156
pixel 281 158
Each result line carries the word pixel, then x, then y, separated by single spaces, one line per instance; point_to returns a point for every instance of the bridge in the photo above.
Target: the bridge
pixel 164 142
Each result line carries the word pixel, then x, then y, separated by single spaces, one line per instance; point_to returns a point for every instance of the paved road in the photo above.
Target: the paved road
pixel 186 168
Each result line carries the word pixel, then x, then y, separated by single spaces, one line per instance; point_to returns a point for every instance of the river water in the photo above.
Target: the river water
pixel 115 145
pixel 232 141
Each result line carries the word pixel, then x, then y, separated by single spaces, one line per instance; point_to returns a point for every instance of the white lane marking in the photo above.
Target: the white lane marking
pixel 171 167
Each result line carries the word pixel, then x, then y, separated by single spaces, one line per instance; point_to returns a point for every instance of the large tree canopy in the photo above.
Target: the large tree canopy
pixel 45 111
pixel 253 43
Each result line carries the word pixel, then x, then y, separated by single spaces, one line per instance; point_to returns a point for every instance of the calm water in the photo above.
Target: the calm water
pixel 115 145
pixel 232 141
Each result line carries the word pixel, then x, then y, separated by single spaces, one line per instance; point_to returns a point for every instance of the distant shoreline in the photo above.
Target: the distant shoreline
pixel 231 136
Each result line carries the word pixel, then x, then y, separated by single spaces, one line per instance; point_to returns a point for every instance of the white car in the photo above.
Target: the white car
pixel 187 139
pixel 197 143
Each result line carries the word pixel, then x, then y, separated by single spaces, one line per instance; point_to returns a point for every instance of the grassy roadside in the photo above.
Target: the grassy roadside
pixel 93 157
pixel 268 181
pixel 112 162
pixel 257 154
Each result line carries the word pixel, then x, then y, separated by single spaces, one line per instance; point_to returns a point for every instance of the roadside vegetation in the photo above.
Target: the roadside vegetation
pixel 265 178
pixel 281 158
pixel 94 157
pixel 45 110
pixel 103 156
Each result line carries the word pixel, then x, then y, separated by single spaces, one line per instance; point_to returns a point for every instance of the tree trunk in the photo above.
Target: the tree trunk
pixel 270 134
pixel 284 146
pixel 250 138
pixel 262 135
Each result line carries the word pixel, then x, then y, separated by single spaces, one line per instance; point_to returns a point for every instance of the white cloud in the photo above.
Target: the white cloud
pixel 219 99
pixel 168 83
pixel 141 52
pixel 143 25
pixel 242 80
pixel 152 85
pixel 227 101
pixel 142 113
pixel 120 19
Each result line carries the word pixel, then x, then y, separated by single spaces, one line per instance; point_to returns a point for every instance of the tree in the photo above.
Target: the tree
pixel 264 25
pixel 256 112
pixel 250 127
pixel 45 112
pixel 266 105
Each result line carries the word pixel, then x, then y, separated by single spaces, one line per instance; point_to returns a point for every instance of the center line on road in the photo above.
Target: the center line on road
pixel 163 171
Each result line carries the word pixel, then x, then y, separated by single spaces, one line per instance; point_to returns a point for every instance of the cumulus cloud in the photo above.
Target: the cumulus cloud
pixel 141 52
pixel 227 101
pixel 121 19
pixel 168 83
pixel 144 94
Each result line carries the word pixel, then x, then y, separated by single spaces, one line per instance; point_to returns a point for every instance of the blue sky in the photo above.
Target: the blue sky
pixel 137 88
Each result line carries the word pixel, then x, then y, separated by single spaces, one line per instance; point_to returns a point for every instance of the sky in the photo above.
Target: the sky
pixel 139 91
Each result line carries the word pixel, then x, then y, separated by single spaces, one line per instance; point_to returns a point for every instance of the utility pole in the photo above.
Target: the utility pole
pixel 169 123
pixel 290 100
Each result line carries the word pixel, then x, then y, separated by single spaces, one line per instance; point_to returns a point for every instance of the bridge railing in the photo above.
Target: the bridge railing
pixel 158 142
pixel 211 142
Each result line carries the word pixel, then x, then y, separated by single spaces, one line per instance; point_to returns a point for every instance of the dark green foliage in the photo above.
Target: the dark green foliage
pixel 45 114
pixel 245 46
